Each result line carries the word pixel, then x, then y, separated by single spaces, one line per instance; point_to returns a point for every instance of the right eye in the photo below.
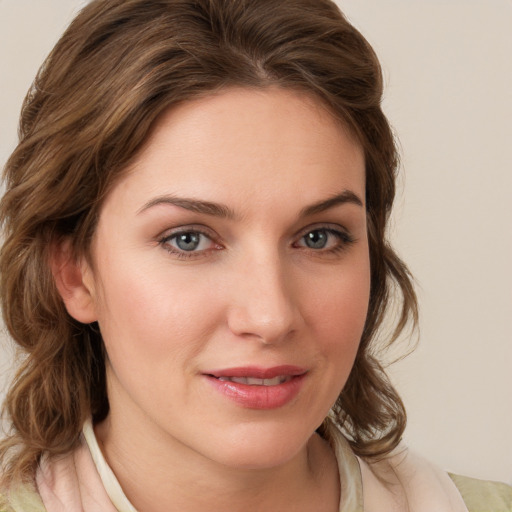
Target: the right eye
pixel 187 243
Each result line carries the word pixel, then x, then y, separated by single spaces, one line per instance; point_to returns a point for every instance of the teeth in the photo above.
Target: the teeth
pixel 253 381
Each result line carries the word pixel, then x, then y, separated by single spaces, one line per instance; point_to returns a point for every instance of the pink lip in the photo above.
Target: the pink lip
pixel 258 372
pixel 254 396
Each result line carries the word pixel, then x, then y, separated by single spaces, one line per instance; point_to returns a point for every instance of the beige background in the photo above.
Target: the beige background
pixel 448 70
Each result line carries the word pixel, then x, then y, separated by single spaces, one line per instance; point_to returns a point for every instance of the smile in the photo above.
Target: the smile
pixel 258 388
pixel 254 381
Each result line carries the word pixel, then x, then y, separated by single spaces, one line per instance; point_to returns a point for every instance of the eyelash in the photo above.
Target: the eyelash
pixel 181 254
pixel 345 240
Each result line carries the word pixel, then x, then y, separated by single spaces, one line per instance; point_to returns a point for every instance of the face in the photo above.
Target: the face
pixel 231 276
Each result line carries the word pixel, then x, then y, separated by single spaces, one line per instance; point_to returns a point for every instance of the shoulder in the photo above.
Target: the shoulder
pixel 22 499
pixel 484 496
pixel 4 507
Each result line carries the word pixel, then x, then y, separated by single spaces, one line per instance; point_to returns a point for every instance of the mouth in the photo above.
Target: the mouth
pixel 258 388
pixel 258 376
pixel 254 381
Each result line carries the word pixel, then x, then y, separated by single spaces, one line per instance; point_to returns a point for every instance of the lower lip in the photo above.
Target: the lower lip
pixel 259 397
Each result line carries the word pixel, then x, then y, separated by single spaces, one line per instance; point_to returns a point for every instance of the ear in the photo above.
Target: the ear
pixel 74 282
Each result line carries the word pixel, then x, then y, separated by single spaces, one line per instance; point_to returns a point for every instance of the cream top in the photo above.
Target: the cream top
pixel 403 482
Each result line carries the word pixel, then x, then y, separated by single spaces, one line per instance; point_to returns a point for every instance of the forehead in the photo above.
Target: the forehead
pixel 247 145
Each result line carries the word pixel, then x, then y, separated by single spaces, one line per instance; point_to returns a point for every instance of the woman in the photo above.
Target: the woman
pixel 195 263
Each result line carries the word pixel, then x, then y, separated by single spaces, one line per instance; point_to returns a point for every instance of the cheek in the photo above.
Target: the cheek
pixel 342 329
pixel 338 313
pixel 149 314
pixel 340 305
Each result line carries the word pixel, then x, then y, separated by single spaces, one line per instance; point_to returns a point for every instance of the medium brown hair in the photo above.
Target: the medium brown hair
pixel 119 65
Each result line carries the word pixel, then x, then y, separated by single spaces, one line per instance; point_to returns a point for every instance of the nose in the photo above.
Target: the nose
pixel 263 305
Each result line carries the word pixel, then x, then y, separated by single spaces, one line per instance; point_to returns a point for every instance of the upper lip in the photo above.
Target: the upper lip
pixel 258 372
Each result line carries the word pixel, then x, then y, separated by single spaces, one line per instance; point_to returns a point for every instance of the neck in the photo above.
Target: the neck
pixel 159 474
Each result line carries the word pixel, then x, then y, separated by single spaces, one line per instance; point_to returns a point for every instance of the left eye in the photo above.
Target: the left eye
pixel 189 241
pixel 324 239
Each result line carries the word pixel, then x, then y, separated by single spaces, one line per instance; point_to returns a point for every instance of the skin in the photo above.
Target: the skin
pixel 253 292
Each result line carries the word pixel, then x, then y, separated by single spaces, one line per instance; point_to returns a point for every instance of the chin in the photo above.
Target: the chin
pixel 255 447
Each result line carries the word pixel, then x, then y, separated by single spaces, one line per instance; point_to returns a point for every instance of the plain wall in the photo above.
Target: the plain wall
pixel 448 71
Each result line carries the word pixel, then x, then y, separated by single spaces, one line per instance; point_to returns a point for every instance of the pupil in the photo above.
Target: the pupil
pixel 316 239
pixel 188 241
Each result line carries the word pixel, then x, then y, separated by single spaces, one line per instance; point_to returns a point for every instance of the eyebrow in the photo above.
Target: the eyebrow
pixel 347 196
pixel 223 211
pixel 193 205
